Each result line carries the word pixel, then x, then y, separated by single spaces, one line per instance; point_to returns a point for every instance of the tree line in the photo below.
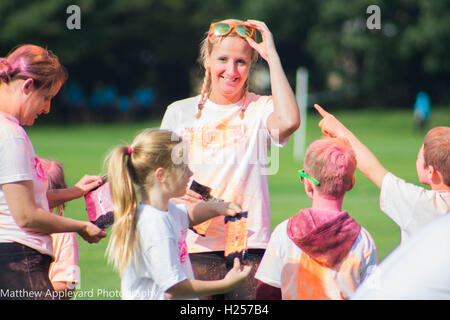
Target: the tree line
pixel 155 43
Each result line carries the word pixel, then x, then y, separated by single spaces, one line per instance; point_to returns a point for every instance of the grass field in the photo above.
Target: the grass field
pixel 388 133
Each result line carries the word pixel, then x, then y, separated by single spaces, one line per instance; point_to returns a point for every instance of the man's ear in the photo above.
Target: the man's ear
pixel 28 86
pixel 309 189
pixel 434 176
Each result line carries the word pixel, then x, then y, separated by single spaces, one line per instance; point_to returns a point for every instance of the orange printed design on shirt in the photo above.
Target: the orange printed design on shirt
pixel 202 228
pixel 220 136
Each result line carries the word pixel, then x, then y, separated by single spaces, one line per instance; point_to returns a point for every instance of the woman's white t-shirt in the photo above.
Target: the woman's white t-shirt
pixel 18 162
pixel 231 156
pixel 162 259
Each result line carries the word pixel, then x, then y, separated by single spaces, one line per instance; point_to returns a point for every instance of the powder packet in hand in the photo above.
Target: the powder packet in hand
pixel 236 238
pixel 99 205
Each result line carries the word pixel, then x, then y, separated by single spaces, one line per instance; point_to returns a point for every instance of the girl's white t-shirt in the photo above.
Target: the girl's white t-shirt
pixel 162 259
pixel 18 162
pixel 231 156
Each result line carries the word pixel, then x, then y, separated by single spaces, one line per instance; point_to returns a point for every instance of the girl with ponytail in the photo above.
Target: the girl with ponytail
pixel 227 129
pixel 147 244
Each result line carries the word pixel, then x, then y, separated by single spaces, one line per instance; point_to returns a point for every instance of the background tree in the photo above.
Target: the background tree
pixel 136 43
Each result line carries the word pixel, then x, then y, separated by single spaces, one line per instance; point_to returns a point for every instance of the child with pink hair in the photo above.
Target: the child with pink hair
pixel 322 252
pixel 64 271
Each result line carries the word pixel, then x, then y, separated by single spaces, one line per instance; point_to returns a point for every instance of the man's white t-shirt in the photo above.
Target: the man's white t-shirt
pixel 287 267
pixel 417 270
pixel 231 156
pixel 18 162
pixel 162 259
pixel 410 206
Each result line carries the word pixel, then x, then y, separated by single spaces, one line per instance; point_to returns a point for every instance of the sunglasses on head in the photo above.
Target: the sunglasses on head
pixel 220 29
pixel 302 174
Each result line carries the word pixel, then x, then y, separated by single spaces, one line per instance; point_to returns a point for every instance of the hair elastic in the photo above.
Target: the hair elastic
pixel 130 150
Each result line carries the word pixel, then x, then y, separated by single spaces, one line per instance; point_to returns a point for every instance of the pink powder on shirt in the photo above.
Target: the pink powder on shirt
pixel 182 247
pixel 40 173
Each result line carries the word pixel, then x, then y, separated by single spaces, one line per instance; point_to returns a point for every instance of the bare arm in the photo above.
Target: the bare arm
pixel 285 118
pixel 57 197
pixel 191 288
pixel 20 199
pixel 202 211
pixel 367 163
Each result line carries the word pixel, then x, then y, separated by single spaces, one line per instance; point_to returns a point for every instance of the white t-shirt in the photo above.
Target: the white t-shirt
pixel 231 156
pixel 18 162
pixel 417 270
pixel 410 206
pixel 287 267
pixel 163 260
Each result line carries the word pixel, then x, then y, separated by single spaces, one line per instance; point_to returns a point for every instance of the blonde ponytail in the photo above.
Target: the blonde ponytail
pixel 123 243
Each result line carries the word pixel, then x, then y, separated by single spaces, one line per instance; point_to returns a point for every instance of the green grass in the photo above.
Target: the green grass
pixel 388 133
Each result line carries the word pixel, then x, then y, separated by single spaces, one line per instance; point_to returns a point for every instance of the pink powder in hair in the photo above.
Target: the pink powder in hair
pixel 332 162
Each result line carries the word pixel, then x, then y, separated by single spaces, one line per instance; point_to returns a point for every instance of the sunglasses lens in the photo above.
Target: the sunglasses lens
pixel 221 29
pixel 244 31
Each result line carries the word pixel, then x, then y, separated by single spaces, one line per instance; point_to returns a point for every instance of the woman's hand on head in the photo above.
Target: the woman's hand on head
pixel 266 48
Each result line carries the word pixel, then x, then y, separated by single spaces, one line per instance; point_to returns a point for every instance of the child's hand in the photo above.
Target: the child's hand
pixel 228 208
pixel 192 196
pixel 331 126
pixel 86 184
pixel 237 275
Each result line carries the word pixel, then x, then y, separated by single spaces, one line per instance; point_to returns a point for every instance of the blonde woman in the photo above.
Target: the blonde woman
pixel 227 130
pixel 147 244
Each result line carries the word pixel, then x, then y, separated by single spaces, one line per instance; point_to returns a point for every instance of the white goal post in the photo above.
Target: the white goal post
pixel 301 94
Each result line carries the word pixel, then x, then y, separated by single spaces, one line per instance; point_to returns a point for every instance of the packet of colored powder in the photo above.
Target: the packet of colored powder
pixel 99 205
